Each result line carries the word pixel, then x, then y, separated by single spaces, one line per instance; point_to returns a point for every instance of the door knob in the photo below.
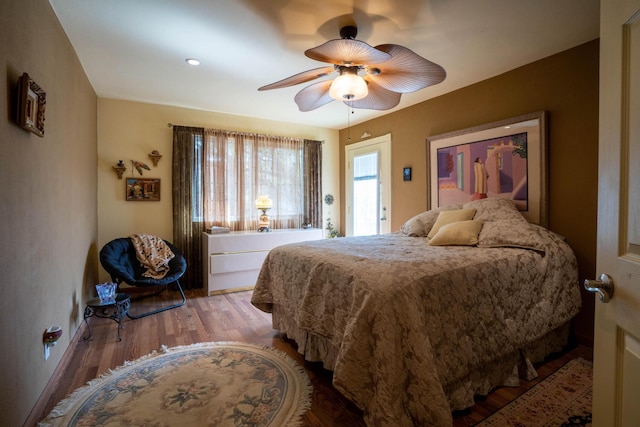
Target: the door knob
pixel 384 214
pixel 603 287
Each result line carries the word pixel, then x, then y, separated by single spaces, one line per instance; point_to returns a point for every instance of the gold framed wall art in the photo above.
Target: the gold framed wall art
pixel 31 105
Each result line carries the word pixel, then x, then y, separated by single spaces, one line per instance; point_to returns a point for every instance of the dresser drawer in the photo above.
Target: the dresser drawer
pixel 236 242
pixel 226 263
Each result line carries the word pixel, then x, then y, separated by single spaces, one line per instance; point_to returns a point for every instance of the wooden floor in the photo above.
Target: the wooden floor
pixel 229 317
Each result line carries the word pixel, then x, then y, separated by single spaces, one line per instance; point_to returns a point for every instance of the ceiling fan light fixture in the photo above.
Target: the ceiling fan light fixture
pixel 348 86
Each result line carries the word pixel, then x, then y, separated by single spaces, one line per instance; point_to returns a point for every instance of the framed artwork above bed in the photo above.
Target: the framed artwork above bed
pixel 504 159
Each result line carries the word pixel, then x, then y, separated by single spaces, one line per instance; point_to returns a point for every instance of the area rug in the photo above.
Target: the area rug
pixel 207 384
pixel 562 399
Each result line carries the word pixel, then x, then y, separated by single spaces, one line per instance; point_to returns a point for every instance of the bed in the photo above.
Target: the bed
pixel 414 324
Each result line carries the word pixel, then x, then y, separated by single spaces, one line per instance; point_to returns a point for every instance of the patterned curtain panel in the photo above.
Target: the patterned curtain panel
pixel 313 182
pixel 187 200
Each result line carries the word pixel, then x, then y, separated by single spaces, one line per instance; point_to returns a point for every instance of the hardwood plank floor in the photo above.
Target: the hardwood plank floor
pixel 228 317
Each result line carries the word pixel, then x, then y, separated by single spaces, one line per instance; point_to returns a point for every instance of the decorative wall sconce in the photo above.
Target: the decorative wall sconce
pixel 155 156
pixel 264 203
pixel 119 168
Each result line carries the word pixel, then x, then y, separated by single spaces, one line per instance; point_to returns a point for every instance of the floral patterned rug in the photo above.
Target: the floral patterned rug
pixel 207 384
pixel 562 400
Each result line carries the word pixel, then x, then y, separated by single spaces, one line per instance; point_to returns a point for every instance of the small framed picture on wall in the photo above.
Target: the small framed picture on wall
pixel 31 105
pixel 143 189
pixel 406 174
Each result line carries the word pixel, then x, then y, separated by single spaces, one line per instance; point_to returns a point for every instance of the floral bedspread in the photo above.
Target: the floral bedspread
pixel 409 318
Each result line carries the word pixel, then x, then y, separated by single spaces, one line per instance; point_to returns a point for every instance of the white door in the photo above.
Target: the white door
pixel 616 397
pixel 368 187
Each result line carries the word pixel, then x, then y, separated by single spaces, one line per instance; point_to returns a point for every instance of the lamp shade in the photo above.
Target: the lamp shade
pixel 348 86
pixel 264 202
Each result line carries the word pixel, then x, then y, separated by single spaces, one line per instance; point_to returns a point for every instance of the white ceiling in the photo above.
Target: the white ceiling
pixel 136 49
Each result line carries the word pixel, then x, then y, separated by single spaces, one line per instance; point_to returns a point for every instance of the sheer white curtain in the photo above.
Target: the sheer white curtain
pixel 218 175
pixel 239 167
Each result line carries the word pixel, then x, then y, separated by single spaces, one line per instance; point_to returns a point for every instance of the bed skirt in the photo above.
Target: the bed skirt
pixel 504 371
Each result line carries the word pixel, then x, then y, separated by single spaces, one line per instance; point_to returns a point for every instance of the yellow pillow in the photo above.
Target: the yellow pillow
pixel 461 233
pixel 447 217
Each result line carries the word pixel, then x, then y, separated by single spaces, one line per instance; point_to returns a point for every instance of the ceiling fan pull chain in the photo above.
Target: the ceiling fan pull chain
pixel 349 124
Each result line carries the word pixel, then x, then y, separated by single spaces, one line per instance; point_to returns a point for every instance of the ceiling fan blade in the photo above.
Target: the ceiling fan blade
pixel 314 96
pixel 406 71
pixel 378 98
pixel 303 77
pixel 347 52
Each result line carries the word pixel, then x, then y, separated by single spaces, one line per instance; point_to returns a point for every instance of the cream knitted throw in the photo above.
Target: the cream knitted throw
pixel 153 253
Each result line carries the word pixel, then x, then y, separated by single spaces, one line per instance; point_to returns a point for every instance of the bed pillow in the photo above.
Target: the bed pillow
pixel 449 216
pixel 461 233
pixel 510 234
pixel 504 226
pixel 495 209
pixel 419 225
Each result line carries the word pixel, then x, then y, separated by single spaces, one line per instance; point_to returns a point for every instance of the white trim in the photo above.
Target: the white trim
pixel 382 144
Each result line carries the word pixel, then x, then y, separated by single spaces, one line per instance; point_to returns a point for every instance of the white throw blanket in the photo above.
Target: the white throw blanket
pixel 153 253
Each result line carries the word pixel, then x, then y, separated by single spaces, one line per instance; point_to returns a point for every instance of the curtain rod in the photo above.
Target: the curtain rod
pixel 170 125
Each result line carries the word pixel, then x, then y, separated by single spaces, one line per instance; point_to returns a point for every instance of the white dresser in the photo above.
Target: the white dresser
pixel 233 260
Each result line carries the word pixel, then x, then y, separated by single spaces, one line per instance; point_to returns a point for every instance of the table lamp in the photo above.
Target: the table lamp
pixel 263 203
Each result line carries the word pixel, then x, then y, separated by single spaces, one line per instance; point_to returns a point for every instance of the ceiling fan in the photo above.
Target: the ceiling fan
pixel 368 77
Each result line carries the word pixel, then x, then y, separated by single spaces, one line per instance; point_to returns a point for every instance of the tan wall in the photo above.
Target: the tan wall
pixel 131 130
pixel 48 220
pixel 565 85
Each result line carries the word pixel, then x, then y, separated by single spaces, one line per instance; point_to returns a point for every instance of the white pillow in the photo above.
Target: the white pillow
pixel 447 217
pixel 461 233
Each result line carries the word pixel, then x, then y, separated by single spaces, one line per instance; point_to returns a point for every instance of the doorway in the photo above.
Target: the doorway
pixel 368 187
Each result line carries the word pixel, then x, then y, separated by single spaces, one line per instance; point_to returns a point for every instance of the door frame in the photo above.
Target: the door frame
pixel 383 144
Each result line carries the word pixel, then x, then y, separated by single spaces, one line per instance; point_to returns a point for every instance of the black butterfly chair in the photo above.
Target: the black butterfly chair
pixel 118 257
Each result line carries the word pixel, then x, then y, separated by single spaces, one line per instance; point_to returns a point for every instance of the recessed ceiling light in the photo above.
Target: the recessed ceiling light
pixel 192 61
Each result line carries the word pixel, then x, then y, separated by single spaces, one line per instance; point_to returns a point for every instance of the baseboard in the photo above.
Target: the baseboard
pixel 231 290
pixel 40 409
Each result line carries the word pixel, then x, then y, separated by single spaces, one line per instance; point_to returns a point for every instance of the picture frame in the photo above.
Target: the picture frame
pixel 142 190
pixel 506 158
pixel 406 174
pixel 31 105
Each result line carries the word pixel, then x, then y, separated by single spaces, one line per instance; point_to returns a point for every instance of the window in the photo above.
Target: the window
pixel 238 168
pixel 218 175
